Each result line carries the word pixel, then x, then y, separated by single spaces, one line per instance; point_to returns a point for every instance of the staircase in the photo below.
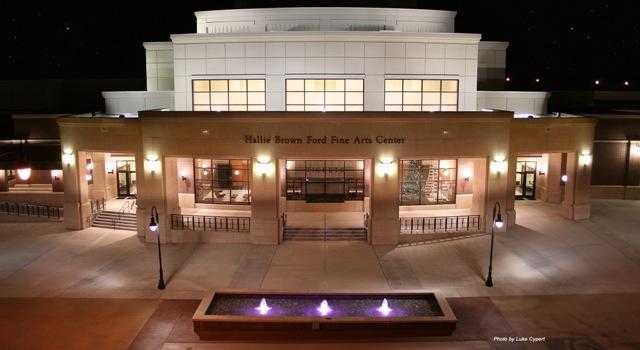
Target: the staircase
pixel 116 220
pixel 320 234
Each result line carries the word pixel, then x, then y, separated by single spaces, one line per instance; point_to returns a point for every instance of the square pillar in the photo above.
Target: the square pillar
pixel 554 174
pixel 264 203
pixel 151 193
pixel 385 203
pixel 4 182
pixel 499 177
pixel 577 204
pixel 77 208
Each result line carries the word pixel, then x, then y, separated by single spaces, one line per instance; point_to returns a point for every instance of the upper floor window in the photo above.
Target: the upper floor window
pixel 229 95
pixel 428 95
pixel 325 95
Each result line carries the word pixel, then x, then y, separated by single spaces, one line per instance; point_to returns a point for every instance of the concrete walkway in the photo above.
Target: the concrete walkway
pixel 543 255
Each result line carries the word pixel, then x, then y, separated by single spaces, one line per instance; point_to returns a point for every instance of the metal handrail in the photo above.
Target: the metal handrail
pixel 28 209
pixel 127 206
pixel 210 223
pixel 459 223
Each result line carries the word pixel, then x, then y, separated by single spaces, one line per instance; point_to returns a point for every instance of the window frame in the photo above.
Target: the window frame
pixel 324 91
pixel 229 105
pixel 422 93
pixel 422 182
pixel 352 187
pixel 214 180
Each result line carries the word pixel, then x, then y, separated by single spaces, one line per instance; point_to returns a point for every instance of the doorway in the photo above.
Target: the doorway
pixel 525 180
pixel 126 178
pixel 325 181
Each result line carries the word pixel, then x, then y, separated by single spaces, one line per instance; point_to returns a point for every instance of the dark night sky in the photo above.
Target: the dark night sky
pixel 567 44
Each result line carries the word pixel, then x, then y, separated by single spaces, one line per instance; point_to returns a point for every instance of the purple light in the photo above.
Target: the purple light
pixel 384 308
pixel 324 308
pixel 263 308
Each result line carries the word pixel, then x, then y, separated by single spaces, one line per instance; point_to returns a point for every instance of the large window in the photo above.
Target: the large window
pixel 426 95
pixel 426 182
pixel 222 181
pixel 325 180
pixel 229 95
pixel 325 95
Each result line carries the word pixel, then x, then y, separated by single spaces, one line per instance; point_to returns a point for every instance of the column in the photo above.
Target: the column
pixel 98 189
pixel 499 191
pixel 4 182
pixel 264 202
pixel 577 204
pixel 151 194
pixel 479 183
pixel 77 208
pixel 385 202
pixel 554 174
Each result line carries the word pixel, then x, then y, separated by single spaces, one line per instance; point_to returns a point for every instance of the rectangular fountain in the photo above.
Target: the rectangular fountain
pixel 278 315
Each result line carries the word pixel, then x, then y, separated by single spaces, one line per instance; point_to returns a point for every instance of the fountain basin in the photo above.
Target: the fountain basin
pixel 283 315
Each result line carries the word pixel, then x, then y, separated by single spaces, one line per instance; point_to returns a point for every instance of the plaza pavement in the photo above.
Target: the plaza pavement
pixel 568 279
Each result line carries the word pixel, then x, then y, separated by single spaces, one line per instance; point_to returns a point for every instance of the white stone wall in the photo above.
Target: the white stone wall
pixel 159 63
pixel 120 102
pixel 374 57
pixel 492 61
pixel 520 102
pixel 324 19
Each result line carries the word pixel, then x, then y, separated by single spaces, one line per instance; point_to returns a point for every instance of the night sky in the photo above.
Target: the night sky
pixel 565 44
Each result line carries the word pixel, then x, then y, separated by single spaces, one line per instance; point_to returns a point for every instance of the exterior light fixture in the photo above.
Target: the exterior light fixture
pixel 264 163
pixel 55 174
pixel 497 222
pixel 499 163
pixel 508 79
pixel 585 158
pixel 537 80
pixel 67 157
pixel 466 173
pixel 563 179
pixel 386 165
pixel 626 83
pixel 24 173
pixel 154 162
pixel 89 164
pixel 88 177
pixel 597 82
pixel 154 225
pixel 183 175
pixel 635 150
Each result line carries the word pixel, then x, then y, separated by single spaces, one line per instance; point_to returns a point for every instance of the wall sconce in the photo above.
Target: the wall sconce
pixel 183 175
pixel 466 173
pixel 499 163
pixel 585 158
pixel 386 165
pixel 89 164
pixel 67 157
pixel 264 163
pixel 542 169
pixel 563 180
pixel 635 149
pixel 88 177
pixel 56 174
pixel 24 173
pixel 153 162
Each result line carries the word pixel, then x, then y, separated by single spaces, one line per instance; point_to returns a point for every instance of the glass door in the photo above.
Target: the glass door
pixel 525 180
pixel 126 178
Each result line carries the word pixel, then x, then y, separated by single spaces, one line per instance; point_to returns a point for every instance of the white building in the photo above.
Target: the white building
pixel 368 44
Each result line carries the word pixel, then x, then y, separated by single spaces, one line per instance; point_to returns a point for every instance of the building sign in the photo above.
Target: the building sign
pixel 323 140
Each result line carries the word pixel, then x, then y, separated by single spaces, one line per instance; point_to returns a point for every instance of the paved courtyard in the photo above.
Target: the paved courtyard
pixel 552 276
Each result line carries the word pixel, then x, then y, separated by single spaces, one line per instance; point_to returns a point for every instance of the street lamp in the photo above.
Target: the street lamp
pixel 496 222
pixel 153 226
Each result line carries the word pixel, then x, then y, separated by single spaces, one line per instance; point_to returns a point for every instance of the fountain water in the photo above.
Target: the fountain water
pixel 263 308
pixel 324 308
pixel 384 308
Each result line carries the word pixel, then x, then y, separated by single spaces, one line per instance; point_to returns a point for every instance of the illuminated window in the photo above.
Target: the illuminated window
pixel 427 95
pixel 426 182
pixel 229 95
pixel 325 94
pixel 222 181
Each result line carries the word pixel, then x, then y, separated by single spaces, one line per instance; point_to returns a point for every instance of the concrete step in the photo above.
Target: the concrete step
pixel 116 220
pixel 316 234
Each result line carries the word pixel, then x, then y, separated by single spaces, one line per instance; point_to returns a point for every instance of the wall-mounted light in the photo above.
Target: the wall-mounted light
pixel 564 179
pixel 183 175
pixel 55 174
pixel 386 166
pixel 499 163
pixel 466 173
pixel 153 162
pixel 542 169
pixel 236 172
pixel 88 177
pixel 264 165
pixel 635 149
pixel 585 158
pixel 67 156
pixel 24 173
pixel 89 164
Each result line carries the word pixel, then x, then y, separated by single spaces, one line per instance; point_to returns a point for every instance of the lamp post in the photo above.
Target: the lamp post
pixel 153 226
pixel 496 222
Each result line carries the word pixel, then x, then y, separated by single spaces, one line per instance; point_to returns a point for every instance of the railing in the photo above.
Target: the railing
pixel 127 207
pixel 210 223
pixel 26 209
pixel 462 223
pixel 97 206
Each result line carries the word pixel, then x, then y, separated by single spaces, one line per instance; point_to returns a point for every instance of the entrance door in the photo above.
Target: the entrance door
pixel 526 180
pixel 126 178
pixel 328 181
